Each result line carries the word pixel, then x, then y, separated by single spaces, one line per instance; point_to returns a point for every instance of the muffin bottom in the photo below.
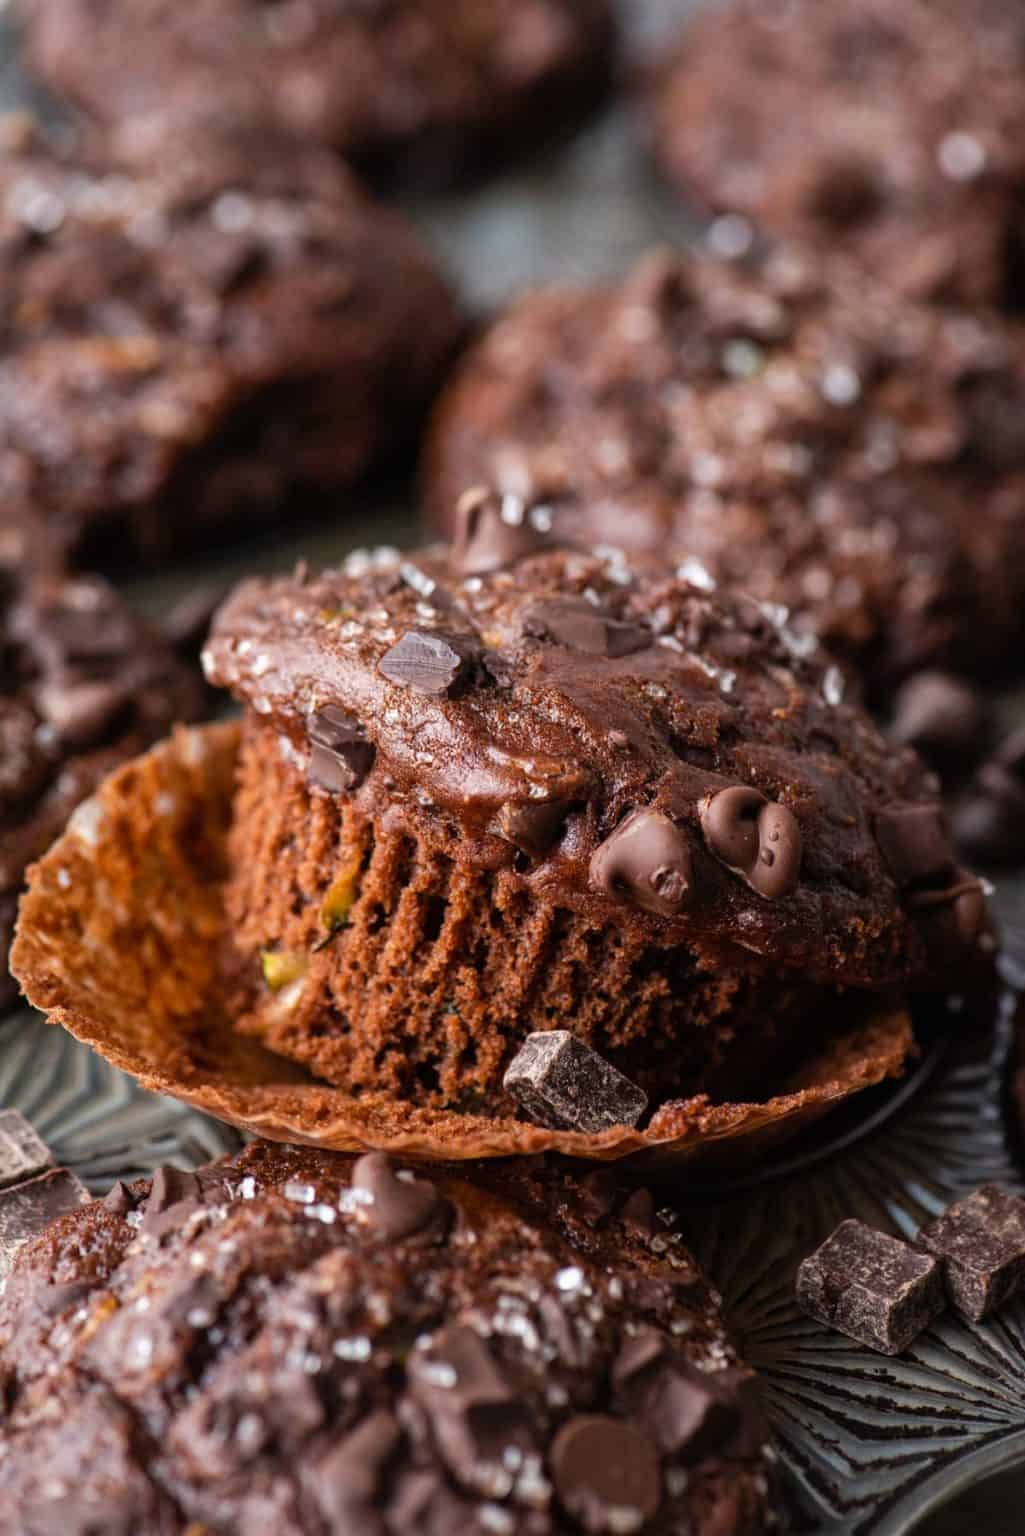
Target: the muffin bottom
pixel 384 961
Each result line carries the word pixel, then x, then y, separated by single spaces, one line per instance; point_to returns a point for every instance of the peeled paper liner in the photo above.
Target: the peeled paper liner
pixel 121 939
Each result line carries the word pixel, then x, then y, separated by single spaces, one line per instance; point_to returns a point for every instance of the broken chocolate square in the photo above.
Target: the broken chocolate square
pixel 872 1287
pixel 562 1083
pixel 28 1209
pixel 22 1153
pixel 980 1243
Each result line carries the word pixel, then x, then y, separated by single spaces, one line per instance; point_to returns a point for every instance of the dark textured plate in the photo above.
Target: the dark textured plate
pixel 866 1444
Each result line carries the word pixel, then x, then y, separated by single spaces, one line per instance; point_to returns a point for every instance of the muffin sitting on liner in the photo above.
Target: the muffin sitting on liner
pixel 513 788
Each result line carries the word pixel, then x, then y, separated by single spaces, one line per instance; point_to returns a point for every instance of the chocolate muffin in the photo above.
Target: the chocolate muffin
pixel 512 789
pixel 297 1342
pixel 898 131
pixel 420 91
pixel 796 430
pixel 201 344
pixel 84 685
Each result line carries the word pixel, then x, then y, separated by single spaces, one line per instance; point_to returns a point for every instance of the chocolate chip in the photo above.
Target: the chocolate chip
pixel 347 1480
pixel 562 1083
pixel 173 1195
pixel 430 661
pixel 647 858
pixel 980 1243
pixel 915 843
pixel 871 1286
pixel 494 531
pixel 22 1152
pixel 28 1209
pixel 606 1473
pixel 340 754
pixel 685 1411
pixel 532 826
pixel 475 1415
pixel 942 717
pixel 118 1199
pixel 395 1204
pixel 582 626
pixel 959 907
pixel 757 838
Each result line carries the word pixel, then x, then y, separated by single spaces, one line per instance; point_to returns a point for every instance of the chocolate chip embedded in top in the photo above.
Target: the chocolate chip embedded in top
pixel 340 754
pixel 647 858
pixel 346 1481
pixel 395 1204
pixel 493 531
pixel 476 1416
pixel 430 661
pixel 980 1241
pixel 532 826
pixel 943 717
pixel 758 839
pixel 118 1199
pixel 915 843
pixel 871 1286
pixel 562 1083
pixel 172 1190
pixel 606 1473
pixel 582 626
pixel 960 905
pixel 684 1410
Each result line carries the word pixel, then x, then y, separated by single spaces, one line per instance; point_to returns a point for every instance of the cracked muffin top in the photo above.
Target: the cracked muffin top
pixel 639 746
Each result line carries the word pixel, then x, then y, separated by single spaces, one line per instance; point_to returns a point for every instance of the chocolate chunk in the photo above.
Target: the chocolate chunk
pixel 347 1480
pixel 980 1243
pixel 394 1204
pixel 872 1287
pixel 915 843
pixel 28 1209
pixel 582 626
pixel 22 1152
pixel 492 532
pixel 340 754
pixel 118 1199
pixel 606 1473
pixel 757 838
pixel 173 1195
pixel 475 1415
pixel 647 858
pixel 685 1411
pixel 431 662
pixel 532 826
pixel 956 912
pixel 942 717
pixel 562 1083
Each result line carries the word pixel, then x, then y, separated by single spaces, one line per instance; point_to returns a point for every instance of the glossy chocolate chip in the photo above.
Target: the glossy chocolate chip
pixel 395 1204
pixel 943 717
pixel 647 859
pixel 915 843
pixel 563 1083
pixel 476 1416
pixel 606 1473
pixel 582 626
pixel 533 826
pixel 758 839
pixel 430 661
pixel 494 531
pixel 172 1197
pixel 340 754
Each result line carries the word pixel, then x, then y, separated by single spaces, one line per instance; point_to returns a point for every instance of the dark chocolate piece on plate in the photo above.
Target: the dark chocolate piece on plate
pixel 562 1083
pixel 23 1153
pixel 871 1286
pixel 26 1209
pixel 980 1243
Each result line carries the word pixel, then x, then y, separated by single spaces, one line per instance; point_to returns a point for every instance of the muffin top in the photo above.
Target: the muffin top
pixel 637 745
pixel 299 1342
pixel 810 437
pixel 139 310
pixel 898 130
